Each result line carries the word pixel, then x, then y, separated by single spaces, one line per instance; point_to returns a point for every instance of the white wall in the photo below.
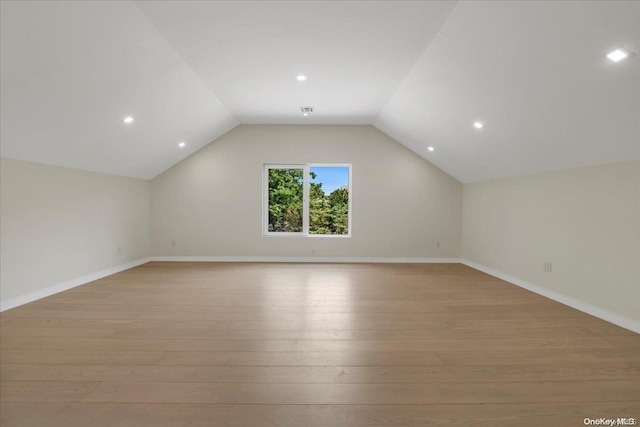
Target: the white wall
pixel 59 224
pixel 211 203
pixel 585 221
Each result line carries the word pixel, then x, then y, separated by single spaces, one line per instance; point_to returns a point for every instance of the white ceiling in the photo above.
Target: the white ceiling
pixel 70 71
pixel 534 72
pixel 249 53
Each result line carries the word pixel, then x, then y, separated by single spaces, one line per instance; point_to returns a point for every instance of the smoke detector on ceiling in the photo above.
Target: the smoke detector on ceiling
pixel 306 110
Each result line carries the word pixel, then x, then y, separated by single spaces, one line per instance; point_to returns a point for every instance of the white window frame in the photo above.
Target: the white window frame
pixel 305 199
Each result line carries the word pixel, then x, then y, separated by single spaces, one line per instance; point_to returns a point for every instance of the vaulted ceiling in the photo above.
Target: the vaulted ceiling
pixel 534 73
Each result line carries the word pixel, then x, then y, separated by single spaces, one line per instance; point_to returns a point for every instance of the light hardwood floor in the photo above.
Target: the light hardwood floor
pixel 215 344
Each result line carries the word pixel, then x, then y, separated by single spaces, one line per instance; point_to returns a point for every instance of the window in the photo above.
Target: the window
pixel 307 200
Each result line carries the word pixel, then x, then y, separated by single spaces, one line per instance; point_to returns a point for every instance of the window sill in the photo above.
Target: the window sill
pixel 321 236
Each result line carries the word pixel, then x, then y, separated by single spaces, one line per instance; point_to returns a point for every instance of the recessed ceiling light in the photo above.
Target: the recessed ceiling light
pixel 430 148
pixel 182 144
pixel 301 78
pixel 305 114
pixel 128 120
pixel 617 55
pixel 478 125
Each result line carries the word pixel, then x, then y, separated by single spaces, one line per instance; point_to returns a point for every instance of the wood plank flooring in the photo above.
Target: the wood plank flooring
pixel 231 344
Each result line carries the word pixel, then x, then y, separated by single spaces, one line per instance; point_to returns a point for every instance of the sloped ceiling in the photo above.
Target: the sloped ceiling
pixel 537 76
pixel 354 53
pixel 535 73
pixel 71 71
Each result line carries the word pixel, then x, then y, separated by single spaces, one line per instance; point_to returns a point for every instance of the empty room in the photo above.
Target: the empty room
pixel 319 213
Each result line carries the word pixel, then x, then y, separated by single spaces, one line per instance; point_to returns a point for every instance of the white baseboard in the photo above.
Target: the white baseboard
pixel 601 313
pixel 305 259
pixel 48 291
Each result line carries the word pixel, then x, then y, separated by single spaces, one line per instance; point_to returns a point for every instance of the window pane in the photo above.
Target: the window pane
pixel 285 200
pixel 329 200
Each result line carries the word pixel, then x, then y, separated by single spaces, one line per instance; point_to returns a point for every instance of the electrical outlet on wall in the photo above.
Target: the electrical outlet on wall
pixel 547 267
pixel 438 244
pixel 173 243
pixel 119 250
pixel 313 251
